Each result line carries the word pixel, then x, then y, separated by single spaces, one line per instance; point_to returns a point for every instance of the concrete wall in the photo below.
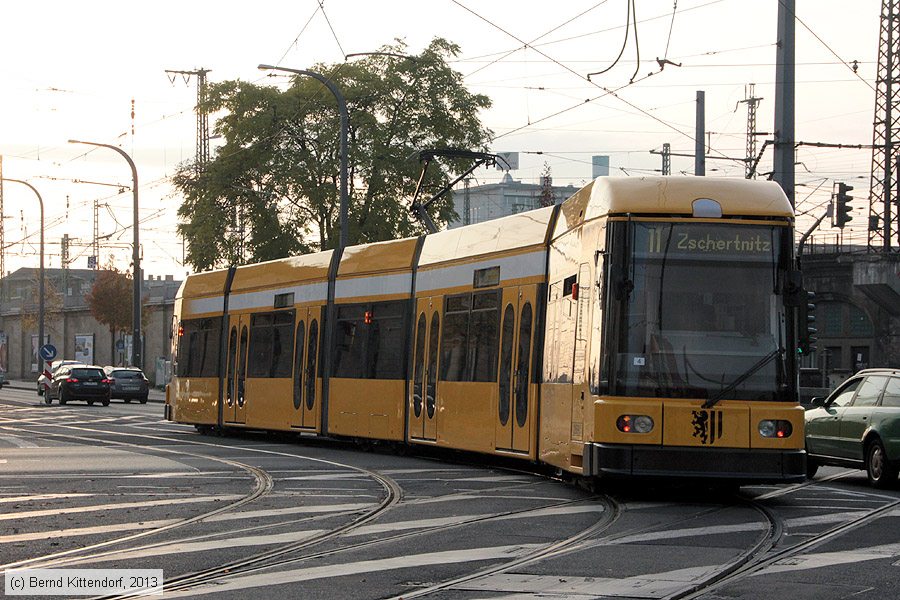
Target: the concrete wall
pixel 831 277
pixel 64 320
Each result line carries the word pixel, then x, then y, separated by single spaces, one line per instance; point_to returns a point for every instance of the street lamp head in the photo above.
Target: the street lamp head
pixel 266 67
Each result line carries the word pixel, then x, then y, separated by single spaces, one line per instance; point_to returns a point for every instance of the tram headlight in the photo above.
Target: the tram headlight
pixel 634 424
pixel 771 428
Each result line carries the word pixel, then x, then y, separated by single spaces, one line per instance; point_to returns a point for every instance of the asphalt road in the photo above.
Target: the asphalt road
pixel 265 516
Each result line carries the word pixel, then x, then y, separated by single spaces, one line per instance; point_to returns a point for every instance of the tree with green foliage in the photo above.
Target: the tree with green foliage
pixel 272 189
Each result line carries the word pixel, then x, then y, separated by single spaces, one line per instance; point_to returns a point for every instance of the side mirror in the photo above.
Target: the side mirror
pixel 818 401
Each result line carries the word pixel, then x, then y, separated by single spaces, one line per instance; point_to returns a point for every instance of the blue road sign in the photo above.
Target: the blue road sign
pixel 47 352
pixel 120 344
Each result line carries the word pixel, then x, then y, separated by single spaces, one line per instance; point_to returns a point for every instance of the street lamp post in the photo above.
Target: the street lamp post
pixel 136 351
pixel 342 108
pixel 41 272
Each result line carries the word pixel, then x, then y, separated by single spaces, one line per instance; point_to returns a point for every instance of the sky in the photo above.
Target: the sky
pixel 70 70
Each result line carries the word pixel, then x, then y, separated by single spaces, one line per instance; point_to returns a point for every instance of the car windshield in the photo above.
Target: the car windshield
pixel 127 375
pixel 86 373
pixel 703 318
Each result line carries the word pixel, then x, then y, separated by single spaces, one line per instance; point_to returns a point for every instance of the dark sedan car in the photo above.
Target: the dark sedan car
pixel 858 426
pixel 128 383
pixel 79 382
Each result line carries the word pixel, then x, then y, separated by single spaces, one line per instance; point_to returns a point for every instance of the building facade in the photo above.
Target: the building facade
pixel 70 326
pixel 509 197
pixel 857 298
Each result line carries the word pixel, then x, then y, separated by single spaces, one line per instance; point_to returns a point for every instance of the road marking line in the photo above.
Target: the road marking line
pixel 235 542
pixel 356 568
pixel 294 510
pixel 105 507
pixel 10 499
pixel 78 531
pixel 829 559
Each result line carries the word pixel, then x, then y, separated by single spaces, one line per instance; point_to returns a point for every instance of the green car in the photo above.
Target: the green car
pixel 858 426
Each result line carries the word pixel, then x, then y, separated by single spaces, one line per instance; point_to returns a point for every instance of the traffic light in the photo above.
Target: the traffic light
pixel 806 320
pixel 842 207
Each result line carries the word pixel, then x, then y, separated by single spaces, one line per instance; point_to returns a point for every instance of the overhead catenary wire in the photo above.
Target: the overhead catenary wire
pixel 824 43
pixel 628 20
pixel 607 91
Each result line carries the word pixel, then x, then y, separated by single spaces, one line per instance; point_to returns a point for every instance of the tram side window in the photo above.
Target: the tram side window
pixel 469 343
pixel 385 358
pixel 350 342
pixel 282 344
pixel 198 347
pixel 484 335
pixel 271 344
pixel 260 354
pixel 455 337
pixel 370 341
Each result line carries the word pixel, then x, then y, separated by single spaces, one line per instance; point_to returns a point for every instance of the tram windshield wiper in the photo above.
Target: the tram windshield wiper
pixel 743 377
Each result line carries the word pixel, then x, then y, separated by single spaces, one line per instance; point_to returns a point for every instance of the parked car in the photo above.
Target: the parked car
pixel 43 381
pixel 128 383
pixel 858 426
pixel 78 382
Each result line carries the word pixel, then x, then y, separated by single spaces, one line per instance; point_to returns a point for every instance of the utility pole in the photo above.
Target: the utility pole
pixel 64 251
pixel 752 102
pixel 64 260
pixel 2 218
pixel 667 159
pixel 95 244
pixel 467 218
pixel 886 136
pixel 202 156
pixel 700 135
pixel 783 168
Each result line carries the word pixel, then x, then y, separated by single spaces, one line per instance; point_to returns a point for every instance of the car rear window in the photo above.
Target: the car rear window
pixel 892 393
pixel 85 373
pixel 127 375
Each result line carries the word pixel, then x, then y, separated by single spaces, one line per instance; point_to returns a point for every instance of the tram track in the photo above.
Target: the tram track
pixel 263 485
pixel 393 494
pixel 761 553
pixel 757 559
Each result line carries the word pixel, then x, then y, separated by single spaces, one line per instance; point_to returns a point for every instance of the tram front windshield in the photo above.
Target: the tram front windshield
pixel 701 314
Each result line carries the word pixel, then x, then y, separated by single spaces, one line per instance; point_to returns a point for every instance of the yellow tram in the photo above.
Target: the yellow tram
pixel 639 328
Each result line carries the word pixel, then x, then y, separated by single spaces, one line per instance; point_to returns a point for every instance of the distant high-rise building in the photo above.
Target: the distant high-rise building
pixel 495 200
pixel 599 166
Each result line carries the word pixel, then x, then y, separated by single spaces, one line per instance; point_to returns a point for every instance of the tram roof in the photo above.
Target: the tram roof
pixel 506 234
pixel 305 267
pixel 390 255
pixel 672 196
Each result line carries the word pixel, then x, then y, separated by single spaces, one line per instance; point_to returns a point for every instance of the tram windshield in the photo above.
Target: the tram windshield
pixel 701 315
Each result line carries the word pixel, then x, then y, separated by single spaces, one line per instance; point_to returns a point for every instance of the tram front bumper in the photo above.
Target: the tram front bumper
pixel 761 466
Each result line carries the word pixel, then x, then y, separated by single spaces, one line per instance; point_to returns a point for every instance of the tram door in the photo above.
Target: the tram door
pixel 236 369
pixel 307 386
pixel 516 390
pixel 423 391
